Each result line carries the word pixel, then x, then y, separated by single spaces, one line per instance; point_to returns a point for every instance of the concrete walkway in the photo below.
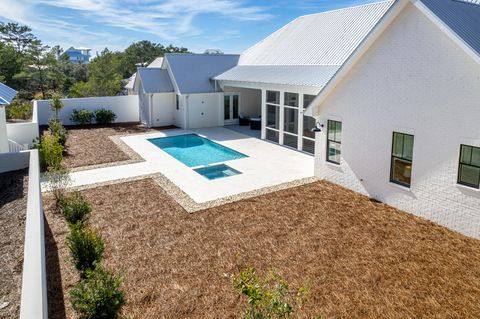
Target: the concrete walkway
pixel 267 165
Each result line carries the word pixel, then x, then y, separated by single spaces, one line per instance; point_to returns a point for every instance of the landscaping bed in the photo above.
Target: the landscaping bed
pixel 13 208
pixel 361 259
pixel 91 145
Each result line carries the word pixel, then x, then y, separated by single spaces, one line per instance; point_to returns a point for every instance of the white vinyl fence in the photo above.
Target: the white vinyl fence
pixel 125 107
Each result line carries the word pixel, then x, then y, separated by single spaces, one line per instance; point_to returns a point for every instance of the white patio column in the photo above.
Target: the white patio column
pixel 264 114
pixel 320 149
pixel 3 131
pixel 281 117
pixel 300 122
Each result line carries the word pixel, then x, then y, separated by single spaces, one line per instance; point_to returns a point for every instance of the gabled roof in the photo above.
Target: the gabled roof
pixel 460 19
pixel 6 94
pixel 313 46
pixel 155 80
pixel 325 38
pixel 131 82
pixel 157 63
pixel 192 73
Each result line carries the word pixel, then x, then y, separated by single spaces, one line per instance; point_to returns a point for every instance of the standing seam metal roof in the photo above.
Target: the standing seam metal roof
pixel 155 80
pixel 6 94
pixel 461 17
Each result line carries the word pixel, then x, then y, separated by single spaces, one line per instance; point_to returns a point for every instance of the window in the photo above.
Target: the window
pixel 176 101
pixel 402 155
pixel 273 97
pixel 226 107
pixel 469 166
pixel 334 140
pixel 291 99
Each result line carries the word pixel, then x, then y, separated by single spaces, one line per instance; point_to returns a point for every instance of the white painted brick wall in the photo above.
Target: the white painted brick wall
pixel 417 80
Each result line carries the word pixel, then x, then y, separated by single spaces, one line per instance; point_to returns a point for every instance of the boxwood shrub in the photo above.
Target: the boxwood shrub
pixel 86 247
pixel 82 116
pixel 75 208
pixel 104 116
pixel 98 295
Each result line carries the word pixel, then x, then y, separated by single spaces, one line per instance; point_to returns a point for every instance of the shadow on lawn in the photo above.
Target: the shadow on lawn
pixel 56 302
pixel 12 186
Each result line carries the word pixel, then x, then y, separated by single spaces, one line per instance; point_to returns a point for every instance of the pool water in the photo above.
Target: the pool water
pixel 194 150
pixel 217 171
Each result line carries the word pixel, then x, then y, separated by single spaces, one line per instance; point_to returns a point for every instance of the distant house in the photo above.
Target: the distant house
pixel 6 96
pixel 78 55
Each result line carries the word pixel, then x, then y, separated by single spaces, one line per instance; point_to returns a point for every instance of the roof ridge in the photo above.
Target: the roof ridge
pixel 373 2
pixel 206 54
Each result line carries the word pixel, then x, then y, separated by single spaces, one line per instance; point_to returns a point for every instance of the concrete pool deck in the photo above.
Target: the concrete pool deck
pixel 267 165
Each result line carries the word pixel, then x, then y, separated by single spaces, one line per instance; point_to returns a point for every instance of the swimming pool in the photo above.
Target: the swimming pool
pixel 194 150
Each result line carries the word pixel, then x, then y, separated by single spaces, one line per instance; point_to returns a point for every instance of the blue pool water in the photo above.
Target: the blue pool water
pixel 194 150
pixel 217 171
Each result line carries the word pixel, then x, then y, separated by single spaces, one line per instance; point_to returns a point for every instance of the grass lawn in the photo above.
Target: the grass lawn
pixel 362 259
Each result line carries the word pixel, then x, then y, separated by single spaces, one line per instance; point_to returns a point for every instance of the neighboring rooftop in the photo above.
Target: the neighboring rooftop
pixel 6 94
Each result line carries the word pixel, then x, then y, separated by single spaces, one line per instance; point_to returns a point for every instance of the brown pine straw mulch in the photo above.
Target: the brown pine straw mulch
pixel 13 208
pixel 362 259
pixel 91 145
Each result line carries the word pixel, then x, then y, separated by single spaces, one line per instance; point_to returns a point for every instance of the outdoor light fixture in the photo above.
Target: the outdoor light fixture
pixel 317 127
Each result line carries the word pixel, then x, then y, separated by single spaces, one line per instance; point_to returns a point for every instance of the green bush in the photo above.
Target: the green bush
pixel 75 208
pixel 104 116
pixel 51 152
pixel 82 116
pixel 56 129
pixel 98 295
pixel 19 110
pixel 86 247
pixel 267 297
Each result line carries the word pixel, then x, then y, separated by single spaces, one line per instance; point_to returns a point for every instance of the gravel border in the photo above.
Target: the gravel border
pixel 188 203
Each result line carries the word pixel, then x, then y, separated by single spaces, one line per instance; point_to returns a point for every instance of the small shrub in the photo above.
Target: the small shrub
pixel 56 104
pixel 86 247
pixel 267 297
pixel 82 116
pixel 104 116
pixel 19 110
pixel 51 152
pixel 56 129
pixel 57 182
pixel 98 295
pixel 75 208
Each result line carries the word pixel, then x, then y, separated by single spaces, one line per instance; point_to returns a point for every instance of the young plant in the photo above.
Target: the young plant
pixel 104 116
pixel 57 182
pixel 267 297
pixel 86 247
pixel 56 104
pixel 51 152
pixel 82 117
pixel 98 295
pixel 56 128
pixel 75 208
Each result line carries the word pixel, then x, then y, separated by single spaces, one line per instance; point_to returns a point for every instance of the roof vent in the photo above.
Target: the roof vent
pixel 213 51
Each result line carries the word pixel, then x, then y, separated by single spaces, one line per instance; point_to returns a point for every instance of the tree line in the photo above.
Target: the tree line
pixel 37 70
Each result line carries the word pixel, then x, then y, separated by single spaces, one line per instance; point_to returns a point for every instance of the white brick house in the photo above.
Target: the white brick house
pixel 418 73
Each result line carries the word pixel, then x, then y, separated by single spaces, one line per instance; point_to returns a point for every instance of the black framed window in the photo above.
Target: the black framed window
pixel 469 166
pixel 176 102
pixel 334 141
pixel 402 157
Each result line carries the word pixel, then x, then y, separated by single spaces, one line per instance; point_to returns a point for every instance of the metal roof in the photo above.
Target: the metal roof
pixel 157 63
pixel 155 80
pixel 193 72
pixel 326 38
pixel 303 75
pixel 6 94
pixel 131 82
pixel 462 17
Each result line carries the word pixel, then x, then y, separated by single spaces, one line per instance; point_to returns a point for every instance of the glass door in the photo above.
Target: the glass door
pixel 231 108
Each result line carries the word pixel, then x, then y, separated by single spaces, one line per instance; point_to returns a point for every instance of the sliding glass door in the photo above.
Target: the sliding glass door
pixel 231 105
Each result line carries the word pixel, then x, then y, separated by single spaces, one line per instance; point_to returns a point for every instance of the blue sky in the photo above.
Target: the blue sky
pixel 229 25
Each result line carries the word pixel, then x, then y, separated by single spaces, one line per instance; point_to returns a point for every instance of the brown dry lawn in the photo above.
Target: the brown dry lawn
pixel 13 207
pixel 91 145
pixel 362 259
